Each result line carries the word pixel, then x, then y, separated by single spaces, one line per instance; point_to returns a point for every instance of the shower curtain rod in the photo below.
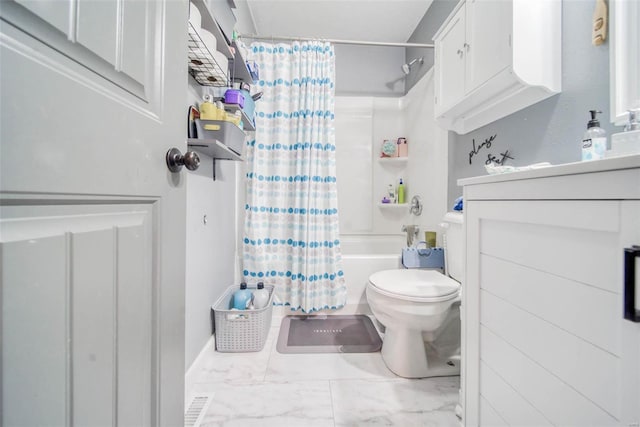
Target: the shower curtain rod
pixel 335 41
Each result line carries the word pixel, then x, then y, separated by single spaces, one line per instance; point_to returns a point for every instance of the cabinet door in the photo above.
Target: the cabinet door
pixel 630 223
pixel 488 40
pixel 450 63
pixel 545 338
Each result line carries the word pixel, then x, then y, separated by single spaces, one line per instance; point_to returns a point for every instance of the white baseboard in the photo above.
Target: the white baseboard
pixel 191 375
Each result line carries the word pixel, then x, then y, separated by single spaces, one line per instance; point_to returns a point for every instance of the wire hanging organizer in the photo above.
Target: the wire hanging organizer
pixel 202 66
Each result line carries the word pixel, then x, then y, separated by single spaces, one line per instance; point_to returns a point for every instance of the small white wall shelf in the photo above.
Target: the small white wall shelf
pixel 214 148
pixel 393 160
pixel 393 205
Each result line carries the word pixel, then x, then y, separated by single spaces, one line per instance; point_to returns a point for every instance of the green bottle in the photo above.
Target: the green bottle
pixel 401 195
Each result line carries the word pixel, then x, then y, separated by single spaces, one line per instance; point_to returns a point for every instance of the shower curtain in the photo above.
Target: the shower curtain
pixel 291 213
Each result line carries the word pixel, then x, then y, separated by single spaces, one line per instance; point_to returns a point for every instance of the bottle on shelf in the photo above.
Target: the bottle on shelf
pixel 403 147
pixel 392 193
pixel 401 193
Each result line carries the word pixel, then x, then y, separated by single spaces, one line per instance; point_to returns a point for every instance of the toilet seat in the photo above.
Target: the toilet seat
pixel 415 285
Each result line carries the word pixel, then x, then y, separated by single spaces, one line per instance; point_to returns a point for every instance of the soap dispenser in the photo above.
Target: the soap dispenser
pixel 594 142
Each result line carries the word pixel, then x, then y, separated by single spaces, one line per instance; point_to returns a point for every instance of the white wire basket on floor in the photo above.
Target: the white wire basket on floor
pixel 239 331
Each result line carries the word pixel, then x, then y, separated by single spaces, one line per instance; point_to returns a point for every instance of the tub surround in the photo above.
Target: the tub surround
pixel 362 123
pixel 371 237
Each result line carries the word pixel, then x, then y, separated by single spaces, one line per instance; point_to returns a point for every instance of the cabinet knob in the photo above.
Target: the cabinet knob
pixel 460 52
pixel 466 46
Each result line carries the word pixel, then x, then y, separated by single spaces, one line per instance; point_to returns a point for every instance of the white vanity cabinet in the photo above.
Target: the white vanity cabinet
pixel 495 57
pixel 545 338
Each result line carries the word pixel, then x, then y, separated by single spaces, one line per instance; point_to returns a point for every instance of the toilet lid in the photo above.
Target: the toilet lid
pixel 415 284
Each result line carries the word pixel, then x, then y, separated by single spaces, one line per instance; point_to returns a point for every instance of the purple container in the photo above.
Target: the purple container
pixel 234 96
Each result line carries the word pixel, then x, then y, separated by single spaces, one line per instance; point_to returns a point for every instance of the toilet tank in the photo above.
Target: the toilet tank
pixel 454 245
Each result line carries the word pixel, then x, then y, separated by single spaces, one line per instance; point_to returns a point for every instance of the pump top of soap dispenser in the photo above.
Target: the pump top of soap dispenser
pixel 594 122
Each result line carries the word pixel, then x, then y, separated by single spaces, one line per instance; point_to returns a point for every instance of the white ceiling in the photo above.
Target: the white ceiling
pixel 369 20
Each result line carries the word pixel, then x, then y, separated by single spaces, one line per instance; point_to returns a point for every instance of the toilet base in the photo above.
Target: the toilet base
pixel 406 355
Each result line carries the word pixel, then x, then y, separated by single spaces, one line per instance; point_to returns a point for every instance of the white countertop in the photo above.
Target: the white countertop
pixel 614 163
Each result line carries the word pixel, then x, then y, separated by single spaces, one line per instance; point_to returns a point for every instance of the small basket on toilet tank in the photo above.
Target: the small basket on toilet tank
pixel 423 258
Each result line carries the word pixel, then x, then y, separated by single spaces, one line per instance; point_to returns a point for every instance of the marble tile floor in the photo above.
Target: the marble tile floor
pixel 267 388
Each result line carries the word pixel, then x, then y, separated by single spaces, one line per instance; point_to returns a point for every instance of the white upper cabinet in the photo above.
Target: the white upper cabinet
pixel 495 57
pixel 488 44
pixel 449 50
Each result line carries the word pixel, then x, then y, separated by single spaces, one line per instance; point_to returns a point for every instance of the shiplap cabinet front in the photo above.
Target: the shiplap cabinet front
pixel 545 338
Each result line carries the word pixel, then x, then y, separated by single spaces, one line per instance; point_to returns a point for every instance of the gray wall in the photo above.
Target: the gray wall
pixel 430 23
pixel 369 71
pixel 551 130
pixel 360 70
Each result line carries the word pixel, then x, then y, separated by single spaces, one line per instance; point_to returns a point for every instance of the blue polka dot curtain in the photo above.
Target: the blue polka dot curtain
pixel 291 235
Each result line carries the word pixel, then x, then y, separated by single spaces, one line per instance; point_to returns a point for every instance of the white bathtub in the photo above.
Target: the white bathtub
pixel 362 256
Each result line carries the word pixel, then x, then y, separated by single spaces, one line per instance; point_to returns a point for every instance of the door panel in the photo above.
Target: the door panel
pixel 34 330
pixel 80 318
pixel 98 28
pixel 91 220
pixel 92 327
pixel 114 39
pixel 133 14
pixel 55 13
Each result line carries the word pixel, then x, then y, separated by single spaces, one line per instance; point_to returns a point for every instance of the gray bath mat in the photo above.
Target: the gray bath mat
pixel 328 334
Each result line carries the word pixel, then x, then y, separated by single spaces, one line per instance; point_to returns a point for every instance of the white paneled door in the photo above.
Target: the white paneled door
pixel 92 223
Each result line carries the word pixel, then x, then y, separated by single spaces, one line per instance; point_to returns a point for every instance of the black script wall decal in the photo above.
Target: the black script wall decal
pixel 498 161
pixel 475 150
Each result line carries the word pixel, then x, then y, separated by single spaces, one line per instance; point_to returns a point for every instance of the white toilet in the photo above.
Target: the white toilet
pixel 420 311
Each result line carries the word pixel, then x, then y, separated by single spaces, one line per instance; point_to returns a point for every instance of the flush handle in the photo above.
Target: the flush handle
pixel 631 312
pixel 175 160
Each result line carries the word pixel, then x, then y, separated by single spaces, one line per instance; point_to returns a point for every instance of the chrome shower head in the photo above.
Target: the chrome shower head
pixel 406 68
